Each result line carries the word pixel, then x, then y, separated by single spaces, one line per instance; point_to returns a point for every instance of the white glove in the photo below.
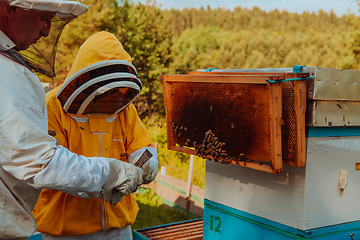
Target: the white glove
pixel 150 167
pixel 112 197
pixel 124 178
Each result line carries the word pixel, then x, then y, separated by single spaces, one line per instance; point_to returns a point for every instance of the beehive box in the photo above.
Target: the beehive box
pixel 235 118
pixel 333 98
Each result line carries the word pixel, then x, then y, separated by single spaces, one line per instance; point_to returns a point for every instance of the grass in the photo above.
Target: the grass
pixel 152 212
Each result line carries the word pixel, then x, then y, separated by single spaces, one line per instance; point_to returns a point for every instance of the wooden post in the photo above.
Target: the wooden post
pixel 189 183
pixel 155 145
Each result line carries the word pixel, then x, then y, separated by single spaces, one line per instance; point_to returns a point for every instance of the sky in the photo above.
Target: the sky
pixel 340 7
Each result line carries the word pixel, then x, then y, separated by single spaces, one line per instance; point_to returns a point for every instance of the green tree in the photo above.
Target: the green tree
pixel 100 17
pixel 354 22
pixel 144 31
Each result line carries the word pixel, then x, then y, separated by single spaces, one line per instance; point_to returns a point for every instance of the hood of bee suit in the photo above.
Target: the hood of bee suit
pixel 101 79
pixel 63 9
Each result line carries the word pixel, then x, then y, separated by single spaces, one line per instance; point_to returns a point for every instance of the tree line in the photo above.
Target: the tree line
pixel 177 41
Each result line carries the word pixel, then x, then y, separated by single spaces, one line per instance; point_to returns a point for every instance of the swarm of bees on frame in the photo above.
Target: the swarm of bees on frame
pixel 210 148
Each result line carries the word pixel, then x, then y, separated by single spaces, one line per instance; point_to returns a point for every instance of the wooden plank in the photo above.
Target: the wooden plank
pixel 221 78
pixel 300 110
pixel 167 193
pixel 184 230
pixel 235 73
pixel 173 229
pixel 167 100
pixel 172 181
pixel 172 146
pixel 188 230
pixel 196 237
pixel 275 127
pixel 179 199
pixel 189 225
pixel 195 190
pixel 256 166
pixel 162 232
pixel 285 75
pixel 175 235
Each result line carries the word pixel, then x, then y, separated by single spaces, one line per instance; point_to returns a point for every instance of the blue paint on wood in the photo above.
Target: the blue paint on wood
pixel 139 236
pixel 332 131
pixel 36 236
pixel 237 225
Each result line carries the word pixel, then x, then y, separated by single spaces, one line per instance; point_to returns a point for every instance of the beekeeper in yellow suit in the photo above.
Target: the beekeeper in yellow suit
pixel 93 115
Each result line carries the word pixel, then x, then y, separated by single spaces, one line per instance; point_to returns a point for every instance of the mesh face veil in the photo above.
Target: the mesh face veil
pixel 106 87
pixel 40 57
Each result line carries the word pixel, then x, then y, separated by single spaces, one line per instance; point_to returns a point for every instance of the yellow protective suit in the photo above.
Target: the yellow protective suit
pixel 112 136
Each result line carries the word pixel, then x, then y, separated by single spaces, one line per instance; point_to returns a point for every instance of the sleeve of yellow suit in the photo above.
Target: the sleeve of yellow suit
pixel 136 135
pixel 54 118
pixel 137 141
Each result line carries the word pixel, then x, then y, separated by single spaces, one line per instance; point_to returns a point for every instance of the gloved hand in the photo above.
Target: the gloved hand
pixel 112 197
pixel 124 178
pixel 150 167
pixel 150 170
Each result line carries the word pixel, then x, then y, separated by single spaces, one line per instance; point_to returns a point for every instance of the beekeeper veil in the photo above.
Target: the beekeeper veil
pixel 40 57
pixel 102 79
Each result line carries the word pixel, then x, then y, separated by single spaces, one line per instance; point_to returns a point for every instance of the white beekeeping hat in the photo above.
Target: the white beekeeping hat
pixel 38 57
pixel 63 8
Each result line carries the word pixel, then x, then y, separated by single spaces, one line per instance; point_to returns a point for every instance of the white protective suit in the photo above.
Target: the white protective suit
pixel 31 160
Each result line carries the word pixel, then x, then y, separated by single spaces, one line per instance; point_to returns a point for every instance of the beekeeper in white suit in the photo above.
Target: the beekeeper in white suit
pixel 30 159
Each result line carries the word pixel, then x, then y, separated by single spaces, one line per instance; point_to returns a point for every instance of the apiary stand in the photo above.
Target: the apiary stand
pixel 299 203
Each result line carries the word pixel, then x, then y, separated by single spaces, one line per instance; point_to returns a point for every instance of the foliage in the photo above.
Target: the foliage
pixel 204 47
pixel 255 19
pixel 355 30
pixel 153 213
pixel 148 41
